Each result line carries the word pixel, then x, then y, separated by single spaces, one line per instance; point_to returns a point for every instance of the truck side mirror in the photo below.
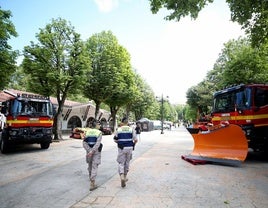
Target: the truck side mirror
pixel 4 108
pixel 54 111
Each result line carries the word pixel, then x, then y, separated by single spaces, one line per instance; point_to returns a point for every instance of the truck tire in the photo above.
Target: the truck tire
pixel 265 151
pixel 4 146
pixel 45 145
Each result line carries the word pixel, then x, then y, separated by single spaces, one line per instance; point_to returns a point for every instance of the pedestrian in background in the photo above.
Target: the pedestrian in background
pixel 125 137
pixel 138 131
pixel 92 144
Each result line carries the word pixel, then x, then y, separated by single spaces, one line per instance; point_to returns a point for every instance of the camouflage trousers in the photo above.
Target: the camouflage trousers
pixel 123 158
pixel 93 162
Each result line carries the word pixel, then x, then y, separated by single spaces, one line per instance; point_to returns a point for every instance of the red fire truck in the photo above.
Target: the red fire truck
pixel 28 120
pixel 245 105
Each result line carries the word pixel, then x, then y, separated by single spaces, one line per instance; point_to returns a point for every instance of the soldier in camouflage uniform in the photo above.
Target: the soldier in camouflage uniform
pixel 92 144
pixel 125 137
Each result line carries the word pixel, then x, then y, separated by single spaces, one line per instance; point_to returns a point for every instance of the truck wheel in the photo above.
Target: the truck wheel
pixel 265 152
pixel 4 146
pixel 45 145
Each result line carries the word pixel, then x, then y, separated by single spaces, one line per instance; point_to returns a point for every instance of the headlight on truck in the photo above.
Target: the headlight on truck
pixel 47 131
pixel 13 133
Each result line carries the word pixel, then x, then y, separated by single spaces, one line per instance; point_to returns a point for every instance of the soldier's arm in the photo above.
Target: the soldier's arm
pixel 97 145
pixel 115 137
pixel 86 146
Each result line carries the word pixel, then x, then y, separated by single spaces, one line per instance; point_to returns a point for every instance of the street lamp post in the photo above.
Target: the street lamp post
pixel 162 113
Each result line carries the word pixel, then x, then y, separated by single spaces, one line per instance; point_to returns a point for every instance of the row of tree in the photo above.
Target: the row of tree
pixel 99 69
pixel 60 64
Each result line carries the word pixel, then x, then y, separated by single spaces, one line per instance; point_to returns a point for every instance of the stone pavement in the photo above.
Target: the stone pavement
pixel 160 178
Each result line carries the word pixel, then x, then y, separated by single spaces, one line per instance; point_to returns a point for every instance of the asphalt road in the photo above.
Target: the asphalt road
pixel 58 178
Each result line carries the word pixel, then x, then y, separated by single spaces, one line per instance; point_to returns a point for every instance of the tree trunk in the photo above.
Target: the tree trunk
pixel 113 111
pixel 58 119
pixel 128 111
pixel 97 109
pixel 57 128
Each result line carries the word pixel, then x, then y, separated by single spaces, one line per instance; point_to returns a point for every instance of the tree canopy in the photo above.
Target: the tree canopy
pixel 123 85
pixel 7 56
pixel 102 49
pixel 57 64
pixel 142 105
pixel 111 80
pixel 244 64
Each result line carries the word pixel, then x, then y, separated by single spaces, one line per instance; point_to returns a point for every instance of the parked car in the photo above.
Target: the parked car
pixel 166 126
pixel 157 124
pixel 76 134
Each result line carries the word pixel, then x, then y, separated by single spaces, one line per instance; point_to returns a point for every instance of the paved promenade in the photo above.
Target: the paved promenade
pixel 160 178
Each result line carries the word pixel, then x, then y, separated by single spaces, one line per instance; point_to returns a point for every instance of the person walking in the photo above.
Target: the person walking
pixel 138 131
pixel 92 144
pixel 125 137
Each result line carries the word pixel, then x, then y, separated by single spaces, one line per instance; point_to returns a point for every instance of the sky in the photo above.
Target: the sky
pixel 170 56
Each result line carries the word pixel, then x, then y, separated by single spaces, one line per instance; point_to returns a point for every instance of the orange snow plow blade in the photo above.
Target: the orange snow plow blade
pixel 226 144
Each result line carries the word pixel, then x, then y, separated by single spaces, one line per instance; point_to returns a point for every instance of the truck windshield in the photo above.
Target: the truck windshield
pixel 229 101
pixel 28 107
pixel 261 97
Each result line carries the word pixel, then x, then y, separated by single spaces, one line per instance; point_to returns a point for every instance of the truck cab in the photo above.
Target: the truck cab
pixel 28 120
pixel 245 105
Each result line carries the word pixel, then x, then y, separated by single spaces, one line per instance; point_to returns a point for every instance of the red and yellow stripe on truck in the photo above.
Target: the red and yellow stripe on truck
pixel 29 122
pixel 257 120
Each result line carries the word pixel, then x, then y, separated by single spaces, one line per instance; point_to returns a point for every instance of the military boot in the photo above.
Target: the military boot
pixel 92 185
pixel 125 176
pixel 123 182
